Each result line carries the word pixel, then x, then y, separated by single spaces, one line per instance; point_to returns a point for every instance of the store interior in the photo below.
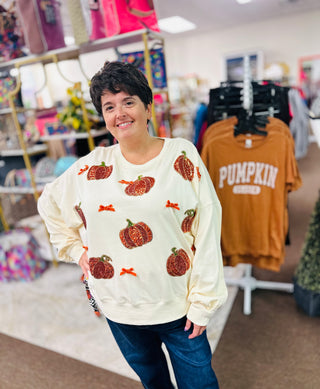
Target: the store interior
pixel 255 57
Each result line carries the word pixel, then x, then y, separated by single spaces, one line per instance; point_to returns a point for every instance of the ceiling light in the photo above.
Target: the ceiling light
pixel 175 24
pixel 243 1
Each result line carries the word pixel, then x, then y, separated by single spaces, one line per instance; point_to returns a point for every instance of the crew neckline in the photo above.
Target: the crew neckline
pixel 250 141
pixel 151 161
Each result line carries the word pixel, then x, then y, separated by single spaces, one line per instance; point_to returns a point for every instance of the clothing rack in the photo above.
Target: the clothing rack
pixel 248 283
pixel 266 97
pixel 229 99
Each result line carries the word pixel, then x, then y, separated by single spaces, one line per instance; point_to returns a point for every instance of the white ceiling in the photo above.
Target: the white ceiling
pixel 220 14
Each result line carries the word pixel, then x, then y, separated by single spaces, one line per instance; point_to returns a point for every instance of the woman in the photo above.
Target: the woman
pixel 151 247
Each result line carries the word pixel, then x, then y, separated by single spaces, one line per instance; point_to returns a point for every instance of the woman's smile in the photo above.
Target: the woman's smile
pixel 124 124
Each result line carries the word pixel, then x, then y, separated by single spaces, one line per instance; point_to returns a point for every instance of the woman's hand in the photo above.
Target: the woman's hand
pixel 197 330
pixel 84 264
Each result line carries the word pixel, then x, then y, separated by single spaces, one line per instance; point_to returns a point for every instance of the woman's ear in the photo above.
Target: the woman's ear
pixel 149 111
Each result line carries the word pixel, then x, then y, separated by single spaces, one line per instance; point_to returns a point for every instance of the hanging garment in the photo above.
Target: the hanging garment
pixel 98 29
pixel 252 176
pixel 130 15
pixel 227 100
pixel 227 126
pixel 41 22
pixel 11 37
pixel 199 121
pixel 79 20
pixel 299 125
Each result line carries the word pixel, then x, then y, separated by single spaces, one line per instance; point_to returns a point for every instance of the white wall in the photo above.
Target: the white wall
pixel 281 40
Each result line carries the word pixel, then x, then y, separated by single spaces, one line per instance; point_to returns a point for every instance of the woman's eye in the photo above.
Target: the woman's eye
pixel 128 103
pixel 109 108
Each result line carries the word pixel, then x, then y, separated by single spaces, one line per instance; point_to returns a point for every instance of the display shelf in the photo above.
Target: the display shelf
pixel 41 181
pixel 118 40
pixel 33 150
pixel 74 51
pixel 159 90
pixel 73 135
pixel 70 52
pixel 20 189
pixel 7 111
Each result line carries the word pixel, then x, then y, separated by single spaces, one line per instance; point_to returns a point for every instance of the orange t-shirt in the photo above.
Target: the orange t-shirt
pixel 226 128
pixel 252 176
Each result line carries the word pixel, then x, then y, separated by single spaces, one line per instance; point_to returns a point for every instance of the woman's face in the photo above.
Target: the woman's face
pixel 125 116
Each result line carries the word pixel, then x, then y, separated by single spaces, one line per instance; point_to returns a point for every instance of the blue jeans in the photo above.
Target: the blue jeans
pixel 190 358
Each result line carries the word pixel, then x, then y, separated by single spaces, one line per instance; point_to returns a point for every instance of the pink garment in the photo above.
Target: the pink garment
pixel 97 21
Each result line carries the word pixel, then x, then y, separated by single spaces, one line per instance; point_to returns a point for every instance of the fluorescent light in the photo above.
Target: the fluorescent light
pixel 175 24
pixel 243 1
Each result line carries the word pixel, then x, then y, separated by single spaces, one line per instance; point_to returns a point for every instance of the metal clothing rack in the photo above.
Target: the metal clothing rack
pixel 248 283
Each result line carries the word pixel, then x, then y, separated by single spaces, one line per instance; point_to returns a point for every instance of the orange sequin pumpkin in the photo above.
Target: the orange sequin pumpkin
pixel 99 172
pixel 135 235
pixel 184 166
pixel 100 267
pixel 188 220
pixel 178 262
pixel 140 186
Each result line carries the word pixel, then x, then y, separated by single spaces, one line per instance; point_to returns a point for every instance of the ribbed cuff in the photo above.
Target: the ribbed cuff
pixel 198 316
pixel 76 253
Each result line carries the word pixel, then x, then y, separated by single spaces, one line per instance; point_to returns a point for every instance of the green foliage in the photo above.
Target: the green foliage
pixel 308 270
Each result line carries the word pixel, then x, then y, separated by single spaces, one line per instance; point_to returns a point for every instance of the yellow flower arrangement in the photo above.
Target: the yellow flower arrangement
pixel 72 114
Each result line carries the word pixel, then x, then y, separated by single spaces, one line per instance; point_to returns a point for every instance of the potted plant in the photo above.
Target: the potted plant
pixel 307 276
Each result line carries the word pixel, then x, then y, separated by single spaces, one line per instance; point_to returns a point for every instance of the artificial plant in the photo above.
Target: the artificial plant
pixel 72 115
pixel 307 274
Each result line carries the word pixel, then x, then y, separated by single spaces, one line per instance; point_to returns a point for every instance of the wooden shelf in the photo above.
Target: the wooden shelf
pixel 25 190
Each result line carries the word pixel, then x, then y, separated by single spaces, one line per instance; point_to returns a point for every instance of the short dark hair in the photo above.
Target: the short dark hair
pixel 118 77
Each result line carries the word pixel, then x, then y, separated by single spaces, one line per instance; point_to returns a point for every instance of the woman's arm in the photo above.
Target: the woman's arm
pixel 64 237
pixel 207 288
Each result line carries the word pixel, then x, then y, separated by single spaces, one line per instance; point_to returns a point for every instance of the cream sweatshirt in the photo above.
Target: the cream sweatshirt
pixel 151 231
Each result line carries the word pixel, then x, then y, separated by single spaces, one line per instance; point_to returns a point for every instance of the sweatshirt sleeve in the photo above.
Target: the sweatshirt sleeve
pixel 207 291
pixel 56 208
